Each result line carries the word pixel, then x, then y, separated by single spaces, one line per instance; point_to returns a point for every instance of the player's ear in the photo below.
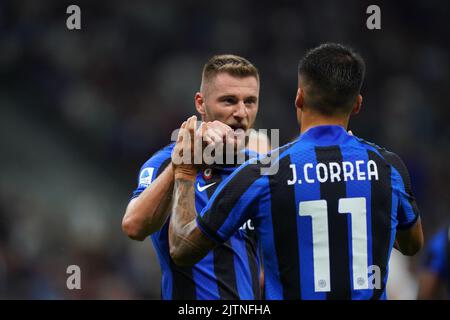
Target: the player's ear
pixel 199 103
pixel 299 98
pixel 358 104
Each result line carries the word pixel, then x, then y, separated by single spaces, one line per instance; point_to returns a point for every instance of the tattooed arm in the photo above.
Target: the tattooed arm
pixel 188 245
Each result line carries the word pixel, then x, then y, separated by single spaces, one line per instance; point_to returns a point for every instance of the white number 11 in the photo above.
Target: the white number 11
pixel 318 211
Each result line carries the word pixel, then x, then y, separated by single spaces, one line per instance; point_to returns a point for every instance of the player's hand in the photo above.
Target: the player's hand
pixel 183 155
pixel 220 137
pixel 217 133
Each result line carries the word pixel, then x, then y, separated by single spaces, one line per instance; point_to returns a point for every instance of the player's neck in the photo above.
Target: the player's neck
pixel 310 121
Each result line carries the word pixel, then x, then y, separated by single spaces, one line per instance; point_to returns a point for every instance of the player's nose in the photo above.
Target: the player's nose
pixel 240 110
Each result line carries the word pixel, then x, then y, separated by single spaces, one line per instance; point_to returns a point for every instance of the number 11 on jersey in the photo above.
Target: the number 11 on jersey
pixel 318 211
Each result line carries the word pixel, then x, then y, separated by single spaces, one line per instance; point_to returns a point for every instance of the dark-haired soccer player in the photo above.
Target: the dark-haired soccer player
pixel 329 217
pixel 435 270
pixel 228 99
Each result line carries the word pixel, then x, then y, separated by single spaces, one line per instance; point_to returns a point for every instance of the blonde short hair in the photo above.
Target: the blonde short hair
pixel 228 63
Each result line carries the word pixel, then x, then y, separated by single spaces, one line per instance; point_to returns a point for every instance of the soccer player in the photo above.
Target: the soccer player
pixel 329 216
pixel 228 100
pixel 435 273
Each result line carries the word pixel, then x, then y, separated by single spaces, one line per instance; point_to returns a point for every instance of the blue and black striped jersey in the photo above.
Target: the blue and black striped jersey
pixel 326 219
pixel 230 271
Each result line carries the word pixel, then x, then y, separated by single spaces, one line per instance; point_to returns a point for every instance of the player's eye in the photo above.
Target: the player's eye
pixel 250 101
pixel 229 100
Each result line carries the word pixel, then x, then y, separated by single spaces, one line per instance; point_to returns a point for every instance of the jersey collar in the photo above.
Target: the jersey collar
pixel 325 135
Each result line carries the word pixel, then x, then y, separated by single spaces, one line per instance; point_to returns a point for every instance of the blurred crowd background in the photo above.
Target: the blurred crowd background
pixel 81 111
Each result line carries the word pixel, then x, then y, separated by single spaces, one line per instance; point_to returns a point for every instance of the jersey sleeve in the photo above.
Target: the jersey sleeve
pixel 435 259
pixel 407 210
pixel 151 169
pixel 234 202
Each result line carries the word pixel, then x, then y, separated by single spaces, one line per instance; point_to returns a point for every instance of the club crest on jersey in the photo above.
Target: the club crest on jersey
pixel 207 174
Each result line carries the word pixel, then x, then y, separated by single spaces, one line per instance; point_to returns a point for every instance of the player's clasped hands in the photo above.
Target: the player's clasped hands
pixel 204 145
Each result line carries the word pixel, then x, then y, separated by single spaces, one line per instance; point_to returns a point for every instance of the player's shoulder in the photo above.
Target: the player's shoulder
pixel 167 150
pixel 249 153
pixel 154 166
pixel 159 156
pixel 389 156
pixel 283 151
pixel 391 159
pixel 274 155
pixel 263 164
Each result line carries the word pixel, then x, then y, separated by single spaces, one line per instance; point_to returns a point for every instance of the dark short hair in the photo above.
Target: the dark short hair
pixel 331 76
